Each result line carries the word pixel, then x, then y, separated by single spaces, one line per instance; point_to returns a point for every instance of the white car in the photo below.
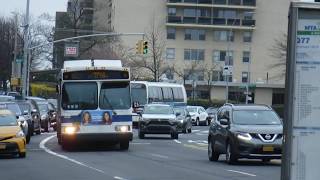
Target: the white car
pixel 199 116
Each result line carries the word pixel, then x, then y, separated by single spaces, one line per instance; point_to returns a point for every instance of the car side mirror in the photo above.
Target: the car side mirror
pixel 178 114
pixel 224 122
pixel 188 115
pixel 17 117
pixel 135 104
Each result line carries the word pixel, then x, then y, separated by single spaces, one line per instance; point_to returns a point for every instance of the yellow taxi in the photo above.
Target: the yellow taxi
pixel 12 138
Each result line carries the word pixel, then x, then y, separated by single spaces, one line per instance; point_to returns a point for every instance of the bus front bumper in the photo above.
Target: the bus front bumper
pixel 101 137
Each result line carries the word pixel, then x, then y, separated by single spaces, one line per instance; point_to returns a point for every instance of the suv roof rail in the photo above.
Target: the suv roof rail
pixel 228 104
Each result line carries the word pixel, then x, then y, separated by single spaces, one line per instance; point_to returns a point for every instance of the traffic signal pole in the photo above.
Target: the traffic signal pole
pixel 25 52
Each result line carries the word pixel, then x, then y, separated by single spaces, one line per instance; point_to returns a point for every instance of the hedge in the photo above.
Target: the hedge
pixel 43 90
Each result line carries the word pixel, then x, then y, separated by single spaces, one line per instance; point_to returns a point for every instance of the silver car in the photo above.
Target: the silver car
pixel 158 119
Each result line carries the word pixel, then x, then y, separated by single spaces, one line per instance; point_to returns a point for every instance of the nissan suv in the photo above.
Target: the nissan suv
pixel 245 131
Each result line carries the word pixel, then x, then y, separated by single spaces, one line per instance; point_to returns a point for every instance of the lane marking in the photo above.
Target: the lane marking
pixel 195 130
pixel 244 173
pixel 120 178
pixel 177 141
pixel 195 147
pixel 42 146
pixel 160 156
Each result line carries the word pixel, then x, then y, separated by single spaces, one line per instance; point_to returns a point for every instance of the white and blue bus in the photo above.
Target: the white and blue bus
pixel 143 92
pixel 94 103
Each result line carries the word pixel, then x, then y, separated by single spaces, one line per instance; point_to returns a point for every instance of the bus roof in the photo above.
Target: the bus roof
pixel 92 63
pixel 157 83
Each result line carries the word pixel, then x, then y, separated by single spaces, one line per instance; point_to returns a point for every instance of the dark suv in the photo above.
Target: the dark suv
pixel 245 131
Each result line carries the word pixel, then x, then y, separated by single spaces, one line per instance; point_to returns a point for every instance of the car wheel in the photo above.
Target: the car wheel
pixel 47 125
pixel 197 122
pixel 230 155
pixel 174 135
pixel 189 130
pixel 141 135
pixel 22 155
pixel 212 154
pixel 184 130
pixel 124 145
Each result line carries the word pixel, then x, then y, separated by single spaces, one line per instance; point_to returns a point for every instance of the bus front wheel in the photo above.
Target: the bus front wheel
pixel 124 145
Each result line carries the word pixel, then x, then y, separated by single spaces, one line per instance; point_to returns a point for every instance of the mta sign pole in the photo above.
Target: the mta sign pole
pixel 302 107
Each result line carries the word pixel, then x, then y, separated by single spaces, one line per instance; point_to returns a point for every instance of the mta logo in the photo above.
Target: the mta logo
pixel 311 28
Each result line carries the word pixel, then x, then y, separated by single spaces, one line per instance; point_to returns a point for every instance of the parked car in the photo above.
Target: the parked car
pixel 12 138
pixel 158 119
pixel 212 111
pixel 5 98
pixel 199 115
pixel 52 116
pixel 184 119
pixel 33 114
pixel 54 102
pixel 23 122
pixel 245 131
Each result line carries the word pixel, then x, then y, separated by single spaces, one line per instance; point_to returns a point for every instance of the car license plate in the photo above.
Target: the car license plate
pixel 2 146
pixel 268 149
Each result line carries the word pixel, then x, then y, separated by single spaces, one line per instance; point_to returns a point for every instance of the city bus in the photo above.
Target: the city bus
pixel 143 92
pixel 94 103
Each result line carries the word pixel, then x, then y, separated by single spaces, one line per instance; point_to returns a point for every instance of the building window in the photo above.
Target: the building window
pixel 195 34
pixel 171 33
pixel 194 54
pixel 247 36
pixel 194 74
pixel 217 76
pixel 223 36
pixel 223 56
pixel 245 77
pixel 246 57
pixel 172 11
pixel 170 53
pixel 227 14
pixel 190 13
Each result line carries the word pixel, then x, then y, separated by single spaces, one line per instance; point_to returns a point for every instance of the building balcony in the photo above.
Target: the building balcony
pixel 238 4
pixel 208 22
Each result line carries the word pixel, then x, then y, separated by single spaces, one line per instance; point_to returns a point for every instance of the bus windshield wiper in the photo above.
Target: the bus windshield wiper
pixel 105 99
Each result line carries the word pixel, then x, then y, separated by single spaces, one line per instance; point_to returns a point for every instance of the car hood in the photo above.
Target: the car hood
pixel 8 131
pixel 192 113
pixel 259 129
pixel 158 116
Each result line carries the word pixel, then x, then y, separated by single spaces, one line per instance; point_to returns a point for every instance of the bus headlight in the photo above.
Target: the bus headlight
pixel 122 128
pixel 70 130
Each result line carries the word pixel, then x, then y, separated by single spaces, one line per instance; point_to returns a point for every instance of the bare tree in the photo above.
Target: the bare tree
pixel 188 71
pixel 7 32
pixel 279 51
pixel 153 62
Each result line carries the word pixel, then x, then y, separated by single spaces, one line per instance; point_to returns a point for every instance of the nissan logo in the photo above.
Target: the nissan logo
pixel 267 136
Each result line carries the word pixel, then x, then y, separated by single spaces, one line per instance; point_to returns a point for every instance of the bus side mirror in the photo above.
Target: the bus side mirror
pixel 58 89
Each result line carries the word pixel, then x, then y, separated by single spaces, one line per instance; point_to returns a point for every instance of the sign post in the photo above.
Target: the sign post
pixel 302 122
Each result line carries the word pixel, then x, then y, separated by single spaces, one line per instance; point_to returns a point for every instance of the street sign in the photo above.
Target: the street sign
pixel 71 50
pixel 302 124
pixel 227 70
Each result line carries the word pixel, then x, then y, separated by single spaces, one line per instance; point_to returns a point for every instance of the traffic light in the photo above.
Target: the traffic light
pixel 139 48
pixel 145 47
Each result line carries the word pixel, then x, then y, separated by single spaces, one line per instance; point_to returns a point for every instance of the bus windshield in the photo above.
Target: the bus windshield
pixel 80 96
pixel 139 93
pixel 115 95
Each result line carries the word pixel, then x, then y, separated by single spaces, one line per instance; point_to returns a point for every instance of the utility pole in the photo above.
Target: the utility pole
pixel 15 70
pixel 25 52
pixel 249 75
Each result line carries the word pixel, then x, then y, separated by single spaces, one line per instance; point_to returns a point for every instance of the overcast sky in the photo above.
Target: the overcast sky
pixel 37 7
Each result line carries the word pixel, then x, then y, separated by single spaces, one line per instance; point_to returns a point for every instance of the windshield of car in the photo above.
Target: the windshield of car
pixel 192 109
pixel 7 120
pixel 25 107
pixel 180 111
pixel 43 107
pixel 252 117
pixel 115 95
pixel 14 108
pixel 79 96
pixel 158 110
pixel 211 111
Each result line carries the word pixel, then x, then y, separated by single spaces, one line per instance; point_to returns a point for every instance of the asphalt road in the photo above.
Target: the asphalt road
pixel 155 158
